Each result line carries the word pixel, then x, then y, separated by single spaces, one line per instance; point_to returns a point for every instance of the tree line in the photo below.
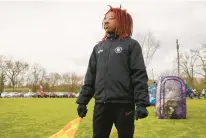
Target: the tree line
pixel 16 74
pixel 19 74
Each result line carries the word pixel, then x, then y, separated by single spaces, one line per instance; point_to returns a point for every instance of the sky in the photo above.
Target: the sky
pixel 60 35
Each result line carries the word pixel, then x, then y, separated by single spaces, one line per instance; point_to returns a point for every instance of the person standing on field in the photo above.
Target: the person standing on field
pixel 117 78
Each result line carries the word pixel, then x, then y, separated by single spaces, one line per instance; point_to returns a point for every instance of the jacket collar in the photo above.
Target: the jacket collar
pixel 112 36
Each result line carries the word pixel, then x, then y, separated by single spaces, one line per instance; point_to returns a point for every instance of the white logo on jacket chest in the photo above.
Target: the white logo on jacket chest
pixel 118 49
pixel 100 51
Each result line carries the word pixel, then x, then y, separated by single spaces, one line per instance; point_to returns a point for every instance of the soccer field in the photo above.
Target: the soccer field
pixel 40 118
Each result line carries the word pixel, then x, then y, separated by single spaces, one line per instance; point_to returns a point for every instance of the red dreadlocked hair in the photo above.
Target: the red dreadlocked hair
pixel 124 24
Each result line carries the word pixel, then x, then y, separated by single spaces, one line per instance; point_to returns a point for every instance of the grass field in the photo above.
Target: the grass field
pixel 40 118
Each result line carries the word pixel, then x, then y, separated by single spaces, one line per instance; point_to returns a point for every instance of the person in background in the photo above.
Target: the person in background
pixel 203 93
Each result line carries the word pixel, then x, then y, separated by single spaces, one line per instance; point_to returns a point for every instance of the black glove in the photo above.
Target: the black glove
pixel 141 112
pixel 82 110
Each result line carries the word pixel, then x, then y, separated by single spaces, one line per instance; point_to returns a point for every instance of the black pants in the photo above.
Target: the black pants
pixel 122 115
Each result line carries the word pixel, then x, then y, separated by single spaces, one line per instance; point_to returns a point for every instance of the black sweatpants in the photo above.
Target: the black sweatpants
pixel 122 115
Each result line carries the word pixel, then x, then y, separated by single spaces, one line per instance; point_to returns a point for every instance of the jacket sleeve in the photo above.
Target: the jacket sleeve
pixel 139 76
pixel 87 90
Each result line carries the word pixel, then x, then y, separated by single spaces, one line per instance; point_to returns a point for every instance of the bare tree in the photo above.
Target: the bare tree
pixel 187 64
pixel 46 83
pixel 2 75
pixel 14 70
pixel 2 81
pixel 2 59
pixel 36 76
pixel 54 79
pixel 66 78
pixel 20 82
pixel 75 81
pixel 202 65
pixel 149 46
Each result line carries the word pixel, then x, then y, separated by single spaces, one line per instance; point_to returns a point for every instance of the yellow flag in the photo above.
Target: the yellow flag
pixel 69 131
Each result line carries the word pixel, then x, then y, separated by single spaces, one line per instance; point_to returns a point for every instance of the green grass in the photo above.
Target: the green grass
pixel 40 118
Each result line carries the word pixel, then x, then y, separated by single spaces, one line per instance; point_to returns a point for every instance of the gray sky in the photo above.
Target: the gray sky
pixel 61 35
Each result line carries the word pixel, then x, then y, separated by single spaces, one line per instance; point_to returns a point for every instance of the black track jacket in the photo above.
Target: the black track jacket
pixel 116 73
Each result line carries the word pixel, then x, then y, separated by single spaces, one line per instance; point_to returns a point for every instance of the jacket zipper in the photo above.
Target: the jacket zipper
pixel 107 82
